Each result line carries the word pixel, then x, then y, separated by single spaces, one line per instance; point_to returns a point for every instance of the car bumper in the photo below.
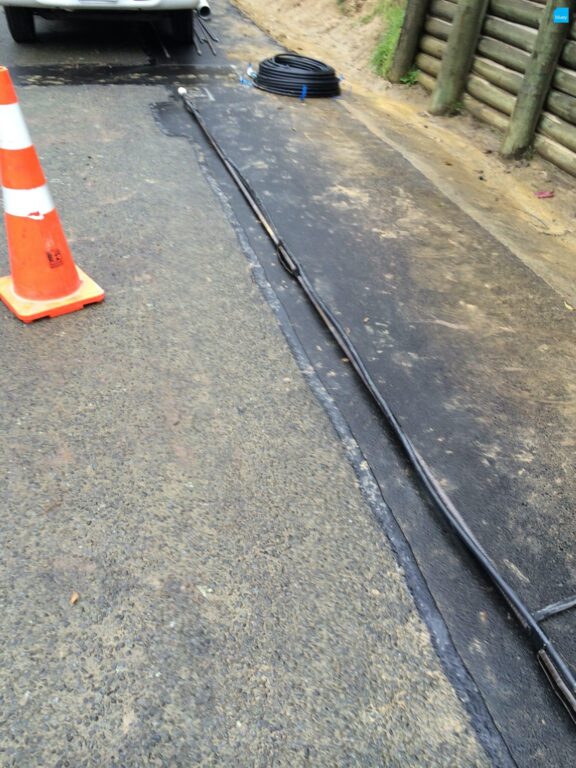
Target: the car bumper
pixel 104 5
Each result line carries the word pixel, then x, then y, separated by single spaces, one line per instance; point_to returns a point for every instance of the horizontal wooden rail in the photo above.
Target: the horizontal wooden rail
pixel 498 75
pixel 432 46
pixel 443 9
pixel 437 28
pixel 518 11
pixel 557 129
pixel 495 97
pixel 561 156
pixel 502 53
pixel 568 55
pixel 562 105
pixel 507 32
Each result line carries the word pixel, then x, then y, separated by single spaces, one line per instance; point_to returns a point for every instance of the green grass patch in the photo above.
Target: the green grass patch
pixel 392 14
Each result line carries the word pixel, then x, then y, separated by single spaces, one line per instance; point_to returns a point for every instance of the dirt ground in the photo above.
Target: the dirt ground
pixel 459 154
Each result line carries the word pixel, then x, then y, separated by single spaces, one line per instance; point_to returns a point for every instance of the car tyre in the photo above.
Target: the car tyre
pixel 21 24
pixel 182 23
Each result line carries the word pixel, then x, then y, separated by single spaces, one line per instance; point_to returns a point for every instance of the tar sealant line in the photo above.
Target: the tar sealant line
pixel 453 665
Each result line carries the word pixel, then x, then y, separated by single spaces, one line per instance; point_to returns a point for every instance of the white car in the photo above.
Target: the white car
pixel 20 13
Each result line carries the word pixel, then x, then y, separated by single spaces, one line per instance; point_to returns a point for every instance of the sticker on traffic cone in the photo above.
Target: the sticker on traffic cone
pixel 44 280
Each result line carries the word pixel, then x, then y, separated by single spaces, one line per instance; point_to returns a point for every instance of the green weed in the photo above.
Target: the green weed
pixel 392 13
pixel 410 78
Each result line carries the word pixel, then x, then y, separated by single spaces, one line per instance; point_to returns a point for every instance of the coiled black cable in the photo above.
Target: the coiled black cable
pixel 289 74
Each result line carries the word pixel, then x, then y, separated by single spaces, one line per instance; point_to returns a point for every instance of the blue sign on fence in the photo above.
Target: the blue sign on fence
pixel 561 15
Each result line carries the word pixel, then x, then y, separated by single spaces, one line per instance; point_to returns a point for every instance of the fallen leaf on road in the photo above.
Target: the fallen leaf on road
pixel 569 306
pixel 74 597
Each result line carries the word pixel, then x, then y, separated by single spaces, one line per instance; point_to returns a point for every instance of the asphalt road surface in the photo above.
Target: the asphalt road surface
pixel 190 458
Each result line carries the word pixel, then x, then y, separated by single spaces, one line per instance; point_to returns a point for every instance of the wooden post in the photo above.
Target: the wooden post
pixel 537 79
pixel 458 56
pixel 407 46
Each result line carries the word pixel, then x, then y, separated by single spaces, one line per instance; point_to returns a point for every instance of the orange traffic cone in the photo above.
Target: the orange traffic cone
pixel 45 281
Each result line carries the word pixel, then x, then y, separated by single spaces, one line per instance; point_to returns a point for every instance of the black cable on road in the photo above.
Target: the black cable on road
pixel 557 671
pixel 204 27
pixel 195 40
pixel 203 35
pixel 288 74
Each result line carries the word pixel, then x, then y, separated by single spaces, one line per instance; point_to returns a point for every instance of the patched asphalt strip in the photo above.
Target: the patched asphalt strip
pixel 249 147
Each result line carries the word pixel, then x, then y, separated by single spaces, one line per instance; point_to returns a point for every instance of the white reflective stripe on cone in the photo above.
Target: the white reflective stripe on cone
pixel 13 131
pixel 29 203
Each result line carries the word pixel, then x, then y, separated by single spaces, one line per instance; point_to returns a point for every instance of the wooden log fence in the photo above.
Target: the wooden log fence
pixel 518 72
pixel 536 82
